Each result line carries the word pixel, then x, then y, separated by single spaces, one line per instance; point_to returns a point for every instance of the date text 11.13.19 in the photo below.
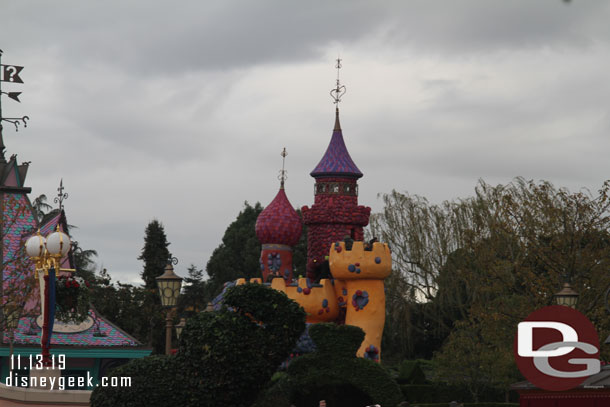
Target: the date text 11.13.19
pixel 32 362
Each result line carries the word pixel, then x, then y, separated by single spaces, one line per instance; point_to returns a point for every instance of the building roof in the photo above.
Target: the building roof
pixel 102 333
pixel 336 160
pixel 279 223
pixel 99 332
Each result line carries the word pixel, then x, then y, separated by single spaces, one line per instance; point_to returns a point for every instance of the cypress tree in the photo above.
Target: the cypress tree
pixel 154 254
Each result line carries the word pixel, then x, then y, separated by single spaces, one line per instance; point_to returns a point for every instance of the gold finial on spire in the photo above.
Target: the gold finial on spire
pixel 339 90
pixel 283 172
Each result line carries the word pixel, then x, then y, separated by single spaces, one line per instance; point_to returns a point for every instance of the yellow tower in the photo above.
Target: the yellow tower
pixel 359 276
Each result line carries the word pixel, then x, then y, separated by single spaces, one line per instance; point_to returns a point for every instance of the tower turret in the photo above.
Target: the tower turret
pixel 335 212
pixel 278 228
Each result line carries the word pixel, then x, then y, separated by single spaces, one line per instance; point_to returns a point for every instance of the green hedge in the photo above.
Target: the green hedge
pixel 444 393
pixel 150 379
pixel 434 393
pixel 224 360
pixel 466 404
pixel 410 372
pixel 333 373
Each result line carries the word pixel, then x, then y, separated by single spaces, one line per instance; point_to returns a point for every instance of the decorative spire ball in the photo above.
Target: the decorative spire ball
pixel 278 228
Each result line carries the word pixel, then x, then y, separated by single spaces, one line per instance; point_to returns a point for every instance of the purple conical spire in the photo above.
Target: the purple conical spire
pixel 336 159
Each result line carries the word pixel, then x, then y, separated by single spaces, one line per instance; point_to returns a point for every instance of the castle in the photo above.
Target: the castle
pixel 344 284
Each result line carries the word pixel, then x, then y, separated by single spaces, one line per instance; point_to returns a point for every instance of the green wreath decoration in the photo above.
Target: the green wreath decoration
pixel 71 299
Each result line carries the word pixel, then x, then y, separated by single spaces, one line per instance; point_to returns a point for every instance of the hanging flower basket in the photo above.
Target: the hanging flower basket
pixel 71 299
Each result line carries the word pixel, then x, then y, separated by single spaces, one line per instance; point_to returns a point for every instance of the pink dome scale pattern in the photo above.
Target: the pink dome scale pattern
pixel 279 223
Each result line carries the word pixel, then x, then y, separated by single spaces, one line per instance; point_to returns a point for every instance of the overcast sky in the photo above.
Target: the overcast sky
pixel 178 110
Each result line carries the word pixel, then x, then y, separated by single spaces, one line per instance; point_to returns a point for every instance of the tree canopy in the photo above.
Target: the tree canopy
pixel 469 270
pixel 239 253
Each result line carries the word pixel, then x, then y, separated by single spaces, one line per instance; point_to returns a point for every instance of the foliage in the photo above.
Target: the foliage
pixel 84 262
pixel 334 373
pixel 224 357
pixel 155 381
pixel 238 254
pixel 469 270
pixel 444 393
pixel 194 293
pixel 41 207
pixel 135 309
pixel 336 341
pixel 470 405
pixel 71 299
pixel 154 254
pixel 411 373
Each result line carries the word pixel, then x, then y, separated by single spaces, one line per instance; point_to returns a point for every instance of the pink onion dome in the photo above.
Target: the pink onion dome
pixel 279 223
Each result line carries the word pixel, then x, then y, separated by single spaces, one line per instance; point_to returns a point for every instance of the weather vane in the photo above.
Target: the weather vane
pixel 10 73
pixel 339 91
pixel 282 177
pixel 60 195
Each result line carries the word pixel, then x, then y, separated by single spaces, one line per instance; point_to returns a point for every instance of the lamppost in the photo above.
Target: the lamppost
pixel 567 296
pixel 169 289
pixel 47 254
pixel 12 322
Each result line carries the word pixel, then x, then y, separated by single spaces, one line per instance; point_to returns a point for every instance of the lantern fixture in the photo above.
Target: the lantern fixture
pixel 169 287
pixel 180 327
pixel 12 320
pixel 58 244
pixel 567 296
pixel 35 246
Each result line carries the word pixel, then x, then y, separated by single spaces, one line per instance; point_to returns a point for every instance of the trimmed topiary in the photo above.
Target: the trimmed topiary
pixel 334 373
pixel 155 381
pixel 225 358
pixel 410 372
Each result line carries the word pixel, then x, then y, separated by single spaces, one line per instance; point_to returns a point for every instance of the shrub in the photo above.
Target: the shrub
pixel 225 358
pixel 155 381
pixel 334 373
pixel 410 372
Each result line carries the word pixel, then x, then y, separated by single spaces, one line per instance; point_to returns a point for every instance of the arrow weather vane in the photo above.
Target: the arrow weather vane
pixel 10 73
pixel 339 91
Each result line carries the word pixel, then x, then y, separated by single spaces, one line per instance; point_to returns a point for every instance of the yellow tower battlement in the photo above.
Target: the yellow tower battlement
pixel 360 273
pixel 357 287
pixel 318 300
pixel 360 264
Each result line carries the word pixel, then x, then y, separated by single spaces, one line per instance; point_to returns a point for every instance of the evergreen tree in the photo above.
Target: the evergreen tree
pixel 194 295
pixel 238 254
pixel 154 254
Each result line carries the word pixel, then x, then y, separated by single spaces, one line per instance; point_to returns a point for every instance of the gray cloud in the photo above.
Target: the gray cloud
pixel 178 110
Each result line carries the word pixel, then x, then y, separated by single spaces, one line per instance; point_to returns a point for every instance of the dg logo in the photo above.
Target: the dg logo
pixel 556 348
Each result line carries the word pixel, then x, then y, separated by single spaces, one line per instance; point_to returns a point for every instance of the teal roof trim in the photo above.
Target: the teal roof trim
pixel 80 353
